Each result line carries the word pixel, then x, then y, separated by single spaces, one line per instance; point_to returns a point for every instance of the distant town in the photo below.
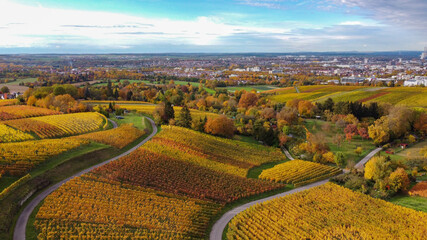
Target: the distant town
pixel 216 70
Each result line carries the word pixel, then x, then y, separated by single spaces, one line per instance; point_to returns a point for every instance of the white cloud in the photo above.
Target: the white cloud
pixel 410 14
pixel 41 26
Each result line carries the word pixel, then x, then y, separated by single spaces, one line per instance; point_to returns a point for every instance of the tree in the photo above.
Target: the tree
pixel 358 151
pixel 31 101
pixel 64 102
pixel 58 90
pixel 248 99
pixel 399 180
pixel 377 168
pixel 220 126
pixel 169 111
pixel 184 118
pixel 4 89
pixel 340 159
pixel 379 131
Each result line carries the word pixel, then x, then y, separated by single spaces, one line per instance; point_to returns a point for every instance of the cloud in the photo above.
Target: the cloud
pixel 410 14
pixel 274 4
pixel 47 25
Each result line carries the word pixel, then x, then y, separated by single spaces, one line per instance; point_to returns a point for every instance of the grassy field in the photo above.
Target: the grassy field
pixel 14 86
pixel 136 119
pixel 414 202
pixel 347 148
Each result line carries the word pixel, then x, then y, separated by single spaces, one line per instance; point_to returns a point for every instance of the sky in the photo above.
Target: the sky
pixel 211 26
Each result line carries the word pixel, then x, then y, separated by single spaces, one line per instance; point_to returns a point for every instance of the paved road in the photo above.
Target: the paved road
pixel 288 155
pixel 361 164
pixel 219 226
pixel 114 123
pixel 21 224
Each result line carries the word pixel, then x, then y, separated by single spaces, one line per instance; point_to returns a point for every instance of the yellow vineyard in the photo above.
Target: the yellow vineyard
pixel 299 172
pixel 328 212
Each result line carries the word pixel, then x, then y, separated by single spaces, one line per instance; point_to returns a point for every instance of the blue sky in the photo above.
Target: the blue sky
pixel 151 26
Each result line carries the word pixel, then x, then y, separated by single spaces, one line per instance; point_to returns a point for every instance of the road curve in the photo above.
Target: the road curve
pixel 219 226
pixel 361 163
pixel 21 224
pixel 112 122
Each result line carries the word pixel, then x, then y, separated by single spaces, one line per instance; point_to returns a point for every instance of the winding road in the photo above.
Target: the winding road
pixel 218 228
pixel 21 224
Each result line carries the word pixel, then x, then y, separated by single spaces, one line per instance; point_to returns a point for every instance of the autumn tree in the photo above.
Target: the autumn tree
pixel 358 151
pixel 377 168
pixel 220 126
pixel 64 102
pixel 379 131
pixel 399 180
pixel 248 99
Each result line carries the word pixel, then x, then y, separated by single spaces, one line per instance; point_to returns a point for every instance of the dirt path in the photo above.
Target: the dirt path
pixel 21 224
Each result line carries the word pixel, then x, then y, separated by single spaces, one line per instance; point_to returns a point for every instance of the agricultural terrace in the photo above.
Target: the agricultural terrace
pixel 96 208
pixel 8 134
pixel 171 187
pixel 7 102
pixel 60 125
pixel 328 212
pixel 219 154
pixel 18 158
pixel 407 96
pixel 299 172
pixel 23 111
pixel 118 137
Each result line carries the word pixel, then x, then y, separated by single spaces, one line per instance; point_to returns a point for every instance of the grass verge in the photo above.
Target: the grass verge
pixel 414 202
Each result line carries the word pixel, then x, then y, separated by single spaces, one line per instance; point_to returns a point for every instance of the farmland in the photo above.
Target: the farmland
pixel 59 125
pixel 179 173
pixel 328 211
pixel 299 172
pixel 411 97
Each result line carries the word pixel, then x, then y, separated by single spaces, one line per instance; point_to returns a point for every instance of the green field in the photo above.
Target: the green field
pixel 414 202
pixel 21 80
pixel 347 148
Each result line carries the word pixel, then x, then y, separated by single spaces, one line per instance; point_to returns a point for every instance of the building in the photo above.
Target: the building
pixel 417 81
pixel 352 80
pixel 424 54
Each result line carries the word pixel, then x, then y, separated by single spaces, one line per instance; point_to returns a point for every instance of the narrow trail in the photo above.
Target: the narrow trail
pixel 288 154
pixel 219 226
pixel 113 122
pixel 21 224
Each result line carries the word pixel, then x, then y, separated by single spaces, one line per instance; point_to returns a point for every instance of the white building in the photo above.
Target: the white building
pixel 417 81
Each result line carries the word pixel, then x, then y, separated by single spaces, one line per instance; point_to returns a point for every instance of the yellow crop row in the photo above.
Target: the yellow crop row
pixel 8 134
pixel 119 137
pixel 130 209
pixel 298 171
pixel 19 158
pixel 328 212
